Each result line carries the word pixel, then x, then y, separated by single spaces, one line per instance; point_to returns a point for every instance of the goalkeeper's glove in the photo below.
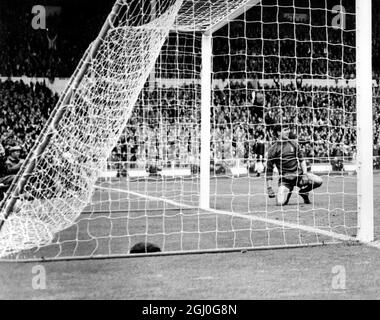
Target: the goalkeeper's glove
pixel 271 193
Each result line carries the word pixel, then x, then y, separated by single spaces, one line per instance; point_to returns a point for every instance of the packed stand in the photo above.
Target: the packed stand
pixel 243 117
pixel 263 50
pixel 51 52
pixel 24 110
pixel 164 127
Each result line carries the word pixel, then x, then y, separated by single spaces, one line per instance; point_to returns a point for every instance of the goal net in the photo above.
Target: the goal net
pixel 162 134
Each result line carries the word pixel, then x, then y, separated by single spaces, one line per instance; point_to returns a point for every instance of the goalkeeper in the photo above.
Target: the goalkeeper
pixel 286 155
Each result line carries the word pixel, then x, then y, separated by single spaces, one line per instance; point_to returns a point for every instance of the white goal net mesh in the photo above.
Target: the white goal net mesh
pixel 122 164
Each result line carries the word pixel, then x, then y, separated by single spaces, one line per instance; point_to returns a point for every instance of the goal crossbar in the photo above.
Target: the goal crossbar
pixel 205 17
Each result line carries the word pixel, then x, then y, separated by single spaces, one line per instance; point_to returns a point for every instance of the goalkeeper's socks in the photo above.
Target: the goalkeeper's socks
pixel 288 198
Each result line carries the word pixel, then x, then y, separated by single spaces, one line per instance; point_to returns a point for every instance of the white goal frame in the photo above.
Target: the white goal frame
pixel 364 120
pixel 364 160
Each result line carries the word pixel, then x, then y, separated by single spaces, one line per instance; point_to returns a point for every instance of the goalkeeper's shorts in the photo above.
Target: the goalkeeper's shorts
pixel 291 181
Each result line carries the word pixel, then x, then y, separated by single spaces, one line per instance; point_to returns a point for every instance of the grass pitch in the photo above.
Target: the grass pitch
pixel 303 273
pixel 164 212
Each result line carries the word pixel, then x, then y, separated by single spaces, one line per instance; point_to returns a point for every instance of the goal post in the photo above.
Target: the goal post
pixel 161 137
pixel 365 118
pixel 206 94
pixel 204 201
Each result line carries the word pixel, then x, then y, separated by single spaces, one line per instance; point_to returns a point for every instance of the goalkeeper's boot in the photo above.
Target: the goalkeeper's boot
pixel 305 197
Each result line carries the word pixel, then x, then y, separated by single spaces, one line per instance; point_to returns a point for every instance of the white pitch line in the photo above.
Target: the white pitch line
pixel 374 244
pixel 244 216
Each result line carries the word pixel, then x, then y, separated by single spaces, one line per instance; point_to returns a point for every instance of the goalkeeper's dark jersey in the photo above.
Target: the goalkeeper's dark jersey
pixel 286 156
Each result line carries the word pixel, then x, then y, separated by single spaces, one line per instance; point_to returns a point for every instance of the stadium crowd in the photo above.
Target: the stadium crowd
pixel 165 124
pixel 324 119
pixel 24 110
pixel 307 49
pixel 49 52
